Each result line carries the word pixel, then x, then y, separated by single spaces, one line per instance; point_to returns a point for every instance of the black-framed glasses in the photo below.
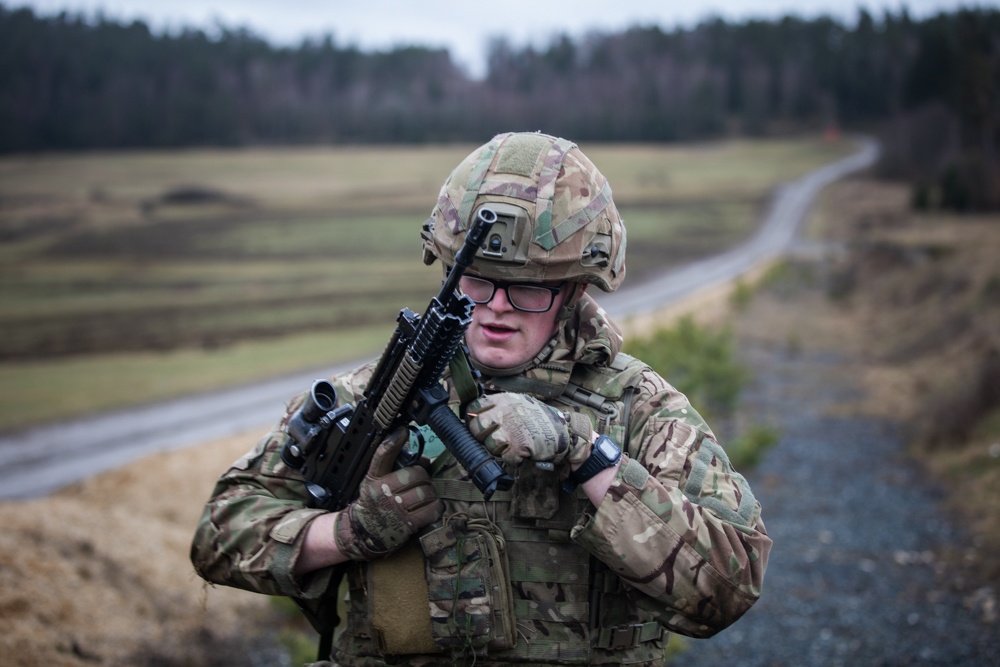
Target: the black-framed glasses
pixel 526 297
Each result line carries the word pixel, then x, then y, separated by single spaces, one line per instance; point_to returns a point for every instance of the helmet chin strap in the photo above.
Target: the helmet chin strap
pixel 576 290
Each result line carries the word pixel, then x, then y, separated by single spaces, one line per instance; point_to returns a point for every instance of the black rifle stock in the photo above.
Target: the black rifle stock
pixel 332 446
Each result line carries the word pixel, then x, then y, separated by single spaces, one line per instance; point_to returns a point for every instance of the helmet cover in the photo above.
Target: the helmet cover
pixel 556 220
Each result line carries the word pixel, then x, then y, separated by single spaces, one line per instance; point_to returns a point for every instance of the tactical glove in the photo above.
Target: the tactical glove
pixel 391 505
pixel 517 427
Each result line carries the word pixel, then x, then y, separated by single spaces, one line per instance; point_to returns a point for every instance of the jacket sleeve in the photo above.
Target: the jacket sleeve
pixel 251 530
pixel 679 526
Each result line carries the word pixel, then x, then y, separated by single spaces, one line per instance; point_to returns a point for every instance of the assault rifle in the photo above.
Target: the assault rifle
pixel 332 446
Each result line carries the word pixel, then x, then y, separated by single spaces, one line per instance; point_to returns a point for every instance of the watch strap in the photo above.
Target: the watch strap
pixel 595 463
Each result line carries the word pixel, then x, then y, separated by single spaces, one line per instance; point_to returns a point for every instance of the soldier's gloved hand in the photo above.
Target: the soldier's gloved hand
pixel 392 505
pixel 517 427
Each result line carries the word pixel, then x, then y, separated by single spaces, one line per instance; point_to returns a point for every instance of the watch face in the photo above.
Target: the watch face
pixel 606 453
pixel 608 448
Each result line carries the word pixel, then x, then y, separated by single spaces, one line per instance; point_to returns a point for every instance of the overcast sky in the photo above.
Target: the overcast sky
pixel 462 27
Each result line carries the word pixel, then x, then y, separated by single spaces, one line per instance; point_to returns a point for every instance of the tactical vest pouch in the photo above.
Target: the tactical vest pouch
pixel 535 493
pixel 468 583
pixel 398 603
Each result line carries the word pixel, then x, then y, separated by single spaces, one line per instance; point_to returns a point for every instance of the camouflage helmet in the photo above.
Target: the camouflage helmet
pixel 555 216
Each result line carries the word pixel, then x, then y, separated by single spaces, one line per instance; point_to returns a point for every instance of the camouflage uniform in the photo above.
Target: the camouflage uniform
pixel 680 547
pixel 535 575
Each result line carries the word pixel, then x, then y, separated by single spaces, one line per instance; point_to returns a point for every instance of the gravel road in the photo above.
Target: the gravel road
pixel 862 571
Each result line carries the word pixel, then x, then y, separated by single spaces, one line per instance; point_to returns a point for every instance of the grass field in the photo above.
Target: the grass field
pixel 137 276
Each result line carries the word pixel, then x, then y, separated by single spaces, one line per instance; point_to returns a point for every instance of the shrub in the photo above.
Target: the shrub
pixel 741 296
pixel 747 449
pixel 698 361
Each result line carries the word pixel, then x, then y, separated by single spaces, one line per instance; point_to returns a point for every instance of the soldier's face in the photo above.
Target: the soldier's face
pixel 501 336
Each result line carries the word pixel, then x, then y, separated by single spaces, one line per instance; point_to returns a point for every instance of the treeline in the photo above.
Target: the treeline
pixel 930 87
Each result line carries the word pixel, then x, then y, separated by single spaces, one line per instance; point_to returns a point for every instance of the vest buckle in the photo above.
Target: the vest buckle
pixel 625 636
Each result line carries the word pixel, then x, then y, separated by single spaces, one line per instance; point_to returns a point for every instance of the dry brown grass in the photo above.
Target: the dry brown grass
pixel 923 294
pixel 98 574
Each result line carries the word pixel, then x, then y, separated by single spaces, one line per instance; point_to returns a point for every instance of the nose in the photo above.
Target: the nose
pixel 499 303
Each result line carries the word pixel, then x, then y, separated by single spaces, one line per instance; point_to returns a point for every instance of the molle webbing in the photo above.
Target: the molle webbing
pixel 629 635
pixel 607 394
pixel 569 609
pixel 542 556
pixel 464 491
pixel 520 384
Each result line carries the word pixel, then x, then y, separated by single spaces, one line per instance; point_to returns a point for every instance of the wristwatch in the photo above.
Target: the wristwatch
pixel 604 453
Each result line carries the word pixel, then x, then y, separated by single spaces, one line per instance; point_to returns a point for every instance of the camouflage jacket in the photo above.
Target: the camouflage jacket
pixel 676 545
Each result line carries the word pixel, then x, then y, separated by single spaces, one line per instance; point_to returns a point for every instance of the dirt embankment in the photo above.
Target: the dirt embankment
pixel 98 573
pixel 923 293
pixel 875 562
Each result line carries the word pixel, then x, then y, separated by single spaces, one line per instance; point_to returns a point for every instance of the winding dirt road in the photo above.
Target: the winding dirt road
pixel 38 461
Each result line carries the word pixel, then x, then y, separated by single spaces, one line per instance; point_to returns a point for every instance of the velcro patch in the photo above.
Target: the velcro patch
pixel 520 154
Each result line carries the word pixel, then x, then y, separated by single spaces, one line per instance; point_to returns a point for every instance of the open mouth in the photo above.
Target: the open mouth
pixel 498 329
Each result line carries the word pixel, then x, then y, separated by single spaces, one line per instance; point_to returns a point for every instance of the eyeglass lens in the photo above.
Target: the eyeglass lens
pixel 529 298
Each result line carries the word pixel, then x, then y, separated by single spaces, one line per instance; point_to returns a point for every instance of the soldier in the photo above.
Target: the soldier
pixel 626 521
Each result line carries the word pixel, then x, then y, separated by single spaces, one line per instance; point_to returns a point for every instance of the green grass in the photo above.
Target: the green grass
pixel 43 390
pixel 119 297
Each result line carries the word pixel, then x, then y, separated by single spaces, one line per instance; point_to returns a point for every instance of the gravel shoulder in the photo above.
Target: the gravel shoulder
pixel 868 567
